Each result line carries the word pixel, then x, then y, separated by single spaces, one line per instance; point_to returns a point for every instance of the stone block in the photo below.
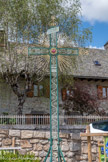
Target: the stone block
pixel 46 147
pixel 94 157
pixel 0 143
pixel 4 132
pixel 38 134
pixel 98 138
pixel 48 159
pixel 38 147
pixel 64 135
pixel 75 146
pixel 78 157
pixel 70 160
pixel 6 142
pixel 36 153
pixel 75 136
pixel 47 135
pixel 94 149
pixel 25 134
pixel 25 144
pixel 3 135
pixel 22 151
pixel 83 138
pixel 84 149
pixel 17 142
pixel 34 141
pixel 44 142
pixel 65 147
pixel 42 153
pixel 70 154
pixel 14 133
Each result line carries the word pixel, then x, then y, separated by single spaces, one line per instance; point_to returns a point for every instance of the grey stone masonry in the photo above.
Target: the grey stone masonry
pixel 85 65
pixel 36 142
pixel 94 148
pixel 73 146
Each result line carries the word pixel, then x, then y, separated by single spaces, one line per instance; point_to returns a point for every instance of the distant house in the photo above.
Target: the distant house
pixel 92 69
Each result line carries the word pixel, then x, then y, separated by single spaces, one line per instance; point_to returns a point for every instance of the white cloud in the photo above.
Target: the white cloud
pixel 95 10
pixel 96 47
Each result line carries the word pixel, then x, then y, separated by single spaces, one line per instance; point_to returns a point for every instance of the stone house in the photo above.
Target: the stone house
pixel 92 69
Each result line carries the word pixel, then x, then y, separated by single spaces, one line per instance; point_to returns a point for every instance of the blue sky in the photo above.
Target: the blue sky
pixel 99 33
pixel 95 14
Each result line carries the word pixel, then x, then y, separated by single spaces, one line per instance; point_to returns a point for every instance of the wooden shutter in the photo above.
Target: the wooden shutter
pixel 64 94
pixel 100 92
pixel 31 92
pixel 47 90
pixel 2 38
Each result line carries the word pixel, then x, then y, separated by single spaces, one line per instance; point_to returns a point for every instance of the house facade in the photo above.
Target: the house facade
pixel 91 69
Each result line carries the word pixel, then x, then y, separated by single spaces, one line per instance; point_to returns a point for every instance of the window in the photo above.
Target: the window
pixel 101 125
pixel 36 91
pixel 97 63
pixel 39 90
pixel 102 92
pixel 66 92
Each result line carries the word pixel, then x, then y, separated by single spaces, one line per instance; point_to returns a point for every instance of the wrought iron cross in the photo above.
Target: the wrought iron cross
pixel 53 51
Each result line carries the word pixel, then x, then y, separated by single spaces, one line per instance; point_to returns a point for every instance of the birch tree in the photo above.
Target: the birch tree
pixel 24 22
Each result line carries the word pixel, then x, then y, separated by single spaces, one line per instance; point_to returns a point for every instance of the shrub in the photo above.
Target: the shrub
pixel 16 157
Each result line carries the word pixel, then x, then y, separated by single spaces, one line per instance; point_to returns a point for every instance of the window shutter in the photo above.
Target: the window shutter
pixel 2 38
pixel 64 95
pixel 47 90
pixel 100 93
pixel 30 93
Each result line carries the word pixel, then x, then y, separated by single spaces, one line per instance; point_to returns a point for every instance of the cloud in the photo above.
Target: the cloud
pixel 95 10
pixel 96 47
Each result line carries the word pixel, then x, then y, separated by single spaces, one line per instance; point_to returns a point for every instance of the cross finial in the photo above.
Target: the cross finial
pixel 53 21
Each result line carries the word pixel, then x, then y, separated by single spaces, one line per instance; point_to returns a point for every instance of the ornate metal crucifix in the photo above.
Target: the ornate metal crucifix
pixel 53 51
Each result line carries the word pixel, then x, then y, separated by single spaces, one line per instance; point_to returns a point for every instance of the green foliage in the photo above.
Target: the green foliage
pixel 83 99
pixel 8 121
pixel 11 157
pixel 30 18
pixel 66 80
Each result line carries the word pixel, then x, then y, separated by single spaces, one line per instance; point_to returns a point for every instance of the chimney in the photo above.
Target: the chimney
pixel 106 46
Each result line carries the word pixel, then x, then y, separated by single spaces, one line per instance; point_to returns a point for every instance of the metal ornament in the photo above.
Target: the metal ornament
pixel 55 151
pixel 53 51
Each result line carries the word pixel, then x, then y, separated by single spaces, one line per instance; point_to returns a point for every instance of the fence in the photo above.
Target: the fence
pixel 41 120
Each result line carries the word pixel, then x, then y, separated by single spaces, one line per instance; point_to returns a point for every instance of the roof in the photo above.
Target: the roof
pixel 105 43
pixel 91 77
pixel 85 66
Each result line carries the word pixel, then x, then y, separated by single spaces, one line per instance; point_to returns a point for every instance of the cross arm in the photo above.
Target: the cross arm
pixel 38 51
pixel 68 51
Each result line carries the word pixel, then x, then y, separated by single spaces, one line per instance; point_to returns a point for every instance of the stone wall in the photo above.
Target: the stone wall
pixel 73 146
pixel 8 100
pixel 94 149
pixel 37 142
pixel 86 67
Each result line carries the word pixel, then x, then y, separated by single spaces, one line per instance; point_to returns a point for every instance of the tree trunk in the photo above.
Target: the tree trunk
pixel 21 100
pixel 13 81
pixel 21 97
